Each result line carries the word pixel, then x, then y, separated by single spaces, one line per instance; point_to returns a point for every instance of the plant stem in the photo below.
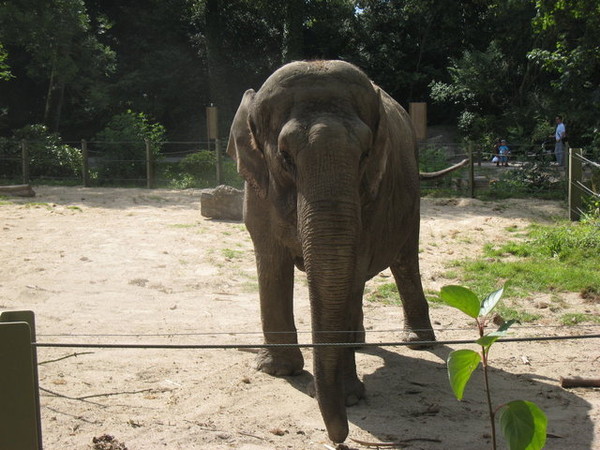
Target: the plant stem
pixel 484 356
pixel 488 395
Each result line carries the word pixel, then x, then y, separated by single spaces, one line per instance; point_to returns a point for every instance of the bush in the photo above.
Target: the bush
pixel 48 156
pixel 10 159
pixel 532 178
pixel 198 170
pixel 123 147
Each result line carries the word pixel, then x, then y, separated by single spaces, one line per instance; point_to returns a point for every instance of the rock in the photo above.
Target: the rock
pixel 222 202
pixel 20 190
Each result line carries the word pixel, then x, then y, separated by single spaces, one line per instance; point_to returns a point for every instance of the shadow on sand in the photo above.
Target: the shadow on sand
pixel 409 400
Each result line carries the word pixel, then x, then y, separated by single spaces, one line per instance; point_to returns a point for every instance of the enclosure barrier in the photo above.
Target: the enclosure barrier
pixel 576 187
pixel 149 160
pixel 20 419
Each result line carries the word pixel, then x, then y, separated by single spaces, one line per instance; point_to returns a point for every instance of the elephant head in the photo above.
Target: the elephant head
pixel 313 145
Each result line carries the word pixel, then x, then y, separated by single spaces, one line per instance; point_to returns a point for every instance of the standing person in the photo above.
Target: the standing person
pixel 559 135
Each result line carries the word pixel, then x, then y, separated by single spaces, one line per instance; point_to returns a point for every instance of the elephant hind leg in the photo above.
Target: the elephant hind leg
pixel 417 325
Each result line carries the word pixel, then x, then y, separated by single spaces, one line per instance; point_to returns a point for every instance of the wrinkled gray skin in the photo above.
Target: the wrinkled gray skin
pixel 332 187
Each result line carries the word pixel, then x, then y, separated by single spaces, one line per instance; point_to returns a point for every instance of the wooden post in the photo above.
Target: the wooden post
pixel 85 164
pixel 25 161
pixel 20 420
pixel 575 174
pixel 149 165
pixel 219 162
pixel 418 114
pixel 212 132
pixel 471 171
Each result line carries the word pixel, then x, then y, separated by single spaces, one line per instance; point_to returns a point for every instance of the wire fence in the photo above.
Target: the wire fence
pixel 531 169
pixel 584 185
pixel 173 164
pixel 592 331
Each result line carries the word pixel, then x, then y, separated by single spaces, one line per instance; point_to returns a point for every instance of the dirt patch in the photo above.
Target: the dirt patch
pixel 137 266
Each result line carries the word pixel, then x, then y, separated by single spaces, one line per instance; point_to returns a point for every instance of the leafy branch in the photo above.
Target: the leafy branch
pixel 523 423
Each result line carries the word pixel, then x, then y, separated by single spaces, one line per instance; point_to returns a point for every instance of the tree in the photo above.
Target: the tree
pixel 158 70
pixel 60 48
pixel 568 35
pixel 4 67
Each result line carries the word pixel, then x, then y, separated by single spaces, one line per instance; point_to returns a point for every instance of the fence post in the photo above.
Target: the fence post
pixel 219 163
pixel 25 161
pixel 471 170
pixel 575 174
pixel 149 165
pixel 85 164
pixel 20 420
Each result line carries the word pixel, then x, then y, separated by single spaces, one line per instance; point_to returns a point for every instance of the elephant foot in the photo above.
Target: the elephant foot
pixel 419 336
pixel 355 391
pixel 280 362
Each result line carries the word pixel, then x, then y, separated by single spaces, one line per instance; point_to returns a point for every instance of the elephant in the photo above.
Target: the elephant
pixel 330 164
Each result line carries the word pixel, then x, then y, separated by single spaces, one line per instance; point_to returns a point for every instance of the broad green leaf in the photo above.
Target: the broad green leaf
pixel 490 302
pixel 487 340
pixel 461 364
pixel 461 298
pixel 490 338
pixel 524 425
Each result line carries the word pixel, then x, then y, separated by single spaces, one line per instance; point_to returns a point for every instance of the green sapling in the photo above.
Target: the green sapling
pixel 523 423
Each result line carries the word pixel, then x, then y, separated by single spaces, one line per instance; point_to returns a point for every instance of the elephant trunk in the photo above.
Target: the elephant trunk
pixel 329 235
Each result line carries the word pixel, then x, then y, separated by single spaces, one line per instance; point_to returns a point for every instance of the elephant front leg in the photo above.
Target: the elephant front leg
pixel 276 284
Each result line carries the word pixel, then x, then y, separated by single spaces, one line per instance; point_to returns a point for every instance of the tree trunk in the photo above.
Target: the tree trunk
pixel 293 40
pixel 218 75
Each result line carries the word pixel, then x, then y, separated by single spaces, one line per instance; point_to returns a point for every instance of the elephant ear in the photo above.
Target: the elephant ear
pixel 378 158
pixel 250 160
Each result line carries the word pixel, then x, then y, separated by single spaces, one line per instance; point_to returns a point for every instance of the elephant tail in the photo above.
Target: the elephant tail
pixel 443 172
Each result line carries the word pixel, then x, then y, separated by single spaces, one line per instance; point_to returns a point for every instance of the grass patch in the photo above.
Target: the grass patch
pixel 564 257
pixel 232 254
pixel 578 318
pixel 183 225
pixel 37 205
pixel 386 293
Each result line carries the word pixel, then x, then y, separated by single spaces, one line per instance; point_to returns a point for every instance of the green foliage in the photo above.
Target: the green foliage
pixel 385 293
pixel 536 178
pixel 123 146
pixel 432 158
pixel 54 45
pixel 523 423
pixel 48 156
pixel 562 257
pixel 577 318
pixel 461 365
pixel 5 73
pixel 198 170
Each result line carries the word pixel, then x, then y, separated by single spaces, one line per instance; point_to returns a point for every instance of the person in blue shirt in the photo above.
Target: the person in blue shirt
pixel 503 151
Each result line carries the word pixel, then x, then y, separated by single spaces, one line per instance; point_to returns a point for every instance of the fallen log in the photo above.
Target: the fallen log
pixel 20 190
pixel 572 382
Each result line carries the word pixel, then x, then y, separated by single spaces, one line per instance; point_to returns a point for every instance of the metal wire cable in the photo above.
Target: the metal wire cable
pixel 300 332
pixel 308 345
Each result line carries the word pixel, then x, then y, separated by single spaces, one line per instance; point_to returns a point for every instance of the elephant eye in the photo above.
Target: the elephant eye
pixel 286 161
pixel 364 156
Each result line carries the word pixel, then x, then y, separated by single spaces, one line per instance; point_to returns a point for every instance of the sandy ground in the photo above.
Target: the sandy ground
pixel 137 266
